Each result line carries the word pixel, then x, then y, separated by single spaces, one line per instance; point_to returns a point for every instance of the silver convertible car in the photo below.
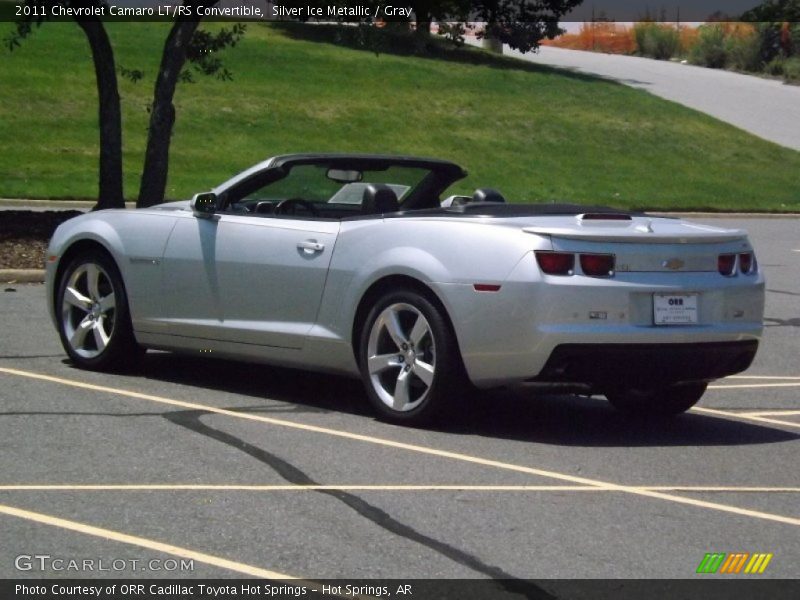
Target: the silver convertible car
pixel 358 264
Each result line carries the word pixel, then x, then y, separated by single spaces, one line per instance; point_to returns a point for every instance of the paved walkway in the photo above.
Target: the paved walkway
pixel 765 107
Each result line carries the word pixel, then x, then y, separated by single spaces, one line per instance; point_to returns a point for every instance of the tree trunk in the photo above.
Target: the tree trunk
pixel 162 115
pixel 110 183
pixel 423 23
pixel 492 44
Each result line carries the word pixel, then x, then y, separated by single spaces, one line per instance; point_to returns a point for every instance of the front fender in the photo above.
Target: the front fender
pixel 66 235
pixel 136 242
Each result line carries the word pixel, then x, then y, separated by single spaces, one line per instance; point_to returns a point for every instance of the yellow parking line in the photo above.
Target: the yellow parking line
pixel 771 413
pixel 179 487
pixel 416 448
pixel 141 542
pixel 752 385
pixel 760 377
pixel 744 416
pixel 300 488
pixel 723 488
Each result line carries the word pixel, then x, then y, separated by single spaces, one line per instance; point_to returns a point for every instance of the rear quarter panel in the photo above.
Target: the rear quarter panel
pixel 508 335
pixel 449 256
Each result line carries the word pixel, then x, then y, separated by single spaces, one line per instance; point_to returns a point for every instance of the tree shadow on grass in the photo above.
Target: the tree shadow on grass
pixel 395 43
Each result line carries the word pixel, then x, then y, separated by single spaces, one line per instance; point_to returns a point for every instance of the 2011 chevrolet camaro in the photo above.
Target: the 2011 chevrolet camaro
pixel 356 264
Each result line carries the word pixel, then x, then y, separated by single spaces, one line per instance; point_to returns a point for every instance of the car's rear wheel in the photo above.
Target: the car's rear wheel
pixel 409 359
pixel 93 317
pixel 661 401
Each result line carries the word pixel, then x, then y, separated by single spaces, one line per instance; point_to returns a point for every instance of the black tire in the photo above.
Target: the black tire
pixel 437 378
pixel 94 322
pixel 663 401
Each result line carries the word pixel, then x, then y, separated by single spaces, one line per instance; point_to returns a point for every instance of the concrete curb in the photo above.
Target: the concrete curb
pixel 21 275
pixel 22 204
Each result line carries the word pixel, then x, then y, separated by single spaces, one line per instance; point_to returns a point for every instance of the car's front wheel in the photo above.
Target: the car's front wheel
pixel 93 318
pixel 409 359
pixel 661 401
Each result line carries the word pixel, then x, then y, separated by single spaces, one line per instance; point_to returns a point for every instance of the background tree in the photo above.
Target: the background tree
pixel 185 43
pixel 778 26
pixel 109 115
pixel 522 24
pixel 442 11
pixel 774 11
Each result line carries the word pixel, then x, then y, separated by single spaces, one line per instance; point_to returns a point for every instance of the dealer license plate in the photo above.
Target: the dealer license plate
pixel 675 309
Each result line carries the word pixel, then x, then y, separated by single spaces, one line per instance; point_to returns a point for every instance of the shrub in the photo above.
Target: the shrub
pixel 709 50
pixel 794 39
pixel 657 41
pixel 607 37
pixel 599 36
pixel 775 66
pixel 688 38
pixel 743 51
pixel 639 36
pixel 791 69
pixel 770 36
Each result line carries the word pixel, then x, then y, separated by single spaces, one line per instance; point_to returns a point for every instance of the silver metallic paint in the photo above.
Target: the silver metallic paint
pixel 240 287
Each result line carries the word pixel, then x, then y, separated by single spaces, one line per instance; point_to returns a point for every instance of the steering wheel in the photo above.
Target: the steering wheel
pixel 289 207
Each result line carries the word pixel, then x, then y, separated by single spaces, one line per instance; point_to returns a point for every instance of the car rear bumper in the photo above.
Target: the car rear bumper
pixel 608 365
pixel 518 333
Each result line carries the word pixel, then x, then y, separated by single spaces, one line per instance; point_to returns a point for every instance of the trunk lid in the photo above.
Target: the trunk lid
pixel 644 244
pixel 632 229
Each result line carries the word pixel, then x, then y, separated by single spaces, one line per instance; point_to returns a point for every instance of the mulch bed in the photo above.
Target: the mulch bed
pixel 24 235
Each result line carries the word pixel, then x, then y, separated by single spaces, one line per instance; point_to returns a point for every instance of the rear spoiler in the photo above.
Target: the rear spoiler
pixel 637 230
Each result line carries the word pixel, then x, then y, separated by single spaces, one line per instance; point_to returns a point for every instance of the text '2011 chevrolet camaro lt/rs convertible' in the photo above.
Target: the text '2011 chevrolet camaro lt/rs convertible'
pixel 358 264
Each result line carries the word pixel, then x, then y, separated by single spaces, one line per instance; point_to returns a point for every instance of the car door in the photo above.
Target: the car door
pixel 250 279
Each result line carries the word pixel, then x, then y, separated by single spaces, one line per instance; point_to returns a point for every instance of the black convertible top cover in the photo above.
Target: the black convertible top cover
pixel 377 162
pixel 495 209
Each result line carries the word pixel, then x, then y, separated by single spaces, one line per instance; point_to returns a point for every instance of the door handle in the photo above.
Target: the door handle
pixel 311 246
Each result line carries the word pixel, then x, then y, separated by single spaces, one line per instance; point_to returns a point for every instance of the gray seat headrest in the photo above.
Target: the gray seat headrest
pixel 379 199
pixel 487 195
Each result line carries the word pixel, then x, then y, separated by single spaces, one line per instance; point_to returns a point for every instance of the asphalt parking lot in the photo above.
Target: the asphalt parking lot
pixel 251 471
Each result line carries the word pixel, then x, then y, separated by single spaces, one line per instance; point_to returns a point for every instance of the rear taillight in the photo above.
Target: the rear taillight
pixel 556 263
pixel 597 265
pixel 726 263
pixel 747 263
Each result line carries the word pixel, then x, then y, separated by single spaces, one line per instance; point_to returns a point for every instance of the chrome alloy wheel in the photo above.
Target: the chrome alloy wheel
pixel 401 357
pixel 88 310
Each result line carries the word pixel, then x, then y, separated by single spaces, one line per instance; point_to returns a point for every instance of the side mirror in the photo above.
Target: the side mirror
pixel 204 205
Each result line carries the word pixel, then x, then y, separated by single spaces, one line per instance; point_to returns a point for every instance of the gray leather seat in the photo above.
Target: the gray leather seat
pixel 487 195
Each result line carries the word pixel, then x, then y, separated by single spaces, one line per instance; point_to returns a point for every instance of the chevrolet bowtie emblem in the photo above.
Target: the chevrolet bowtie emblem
pixel 673 264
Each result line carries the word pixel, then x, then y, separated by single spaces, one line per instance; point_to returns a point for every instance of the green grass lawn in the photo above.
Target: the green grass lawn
pixel 534 133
